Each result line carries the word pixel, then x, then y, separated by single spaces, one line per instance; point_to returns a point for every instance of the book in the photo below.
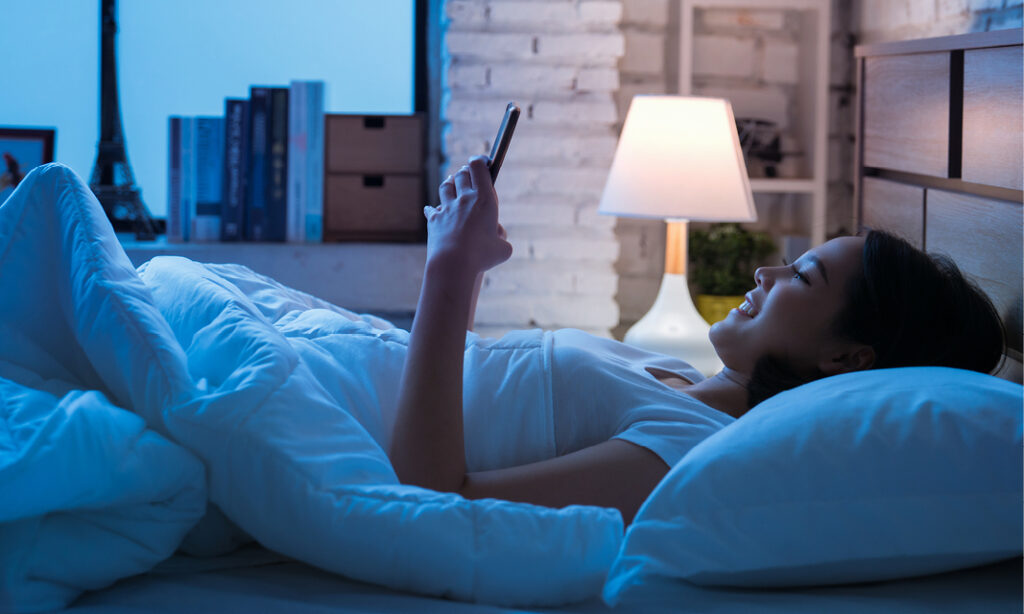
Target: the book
pixel 276 217
pixel 188 173
pixel 236 156
pixel 208 160
pixel 256 187
pixel 305 161
pixel 298 134
pixel 174 202
pixel 314 232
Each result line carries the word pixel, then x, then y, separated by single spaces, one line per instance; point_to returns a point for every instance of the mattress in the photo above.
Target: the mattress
pixel 256 580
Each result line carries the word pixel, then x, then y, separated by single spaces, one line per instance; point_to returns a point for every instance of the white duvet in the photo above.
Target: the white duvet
pixel 203 355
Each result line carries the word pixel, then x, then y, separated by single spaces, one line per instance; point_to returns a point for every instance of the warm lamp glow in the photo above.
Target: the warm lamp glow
pixel 679 157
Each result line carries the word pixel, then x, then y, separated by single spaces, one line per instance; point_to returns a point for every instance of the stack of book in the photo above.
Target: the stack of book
pixel 255 174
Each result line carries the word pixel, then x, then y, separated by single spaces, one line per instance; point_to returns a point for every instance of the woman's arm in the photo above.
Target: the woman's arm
pixel 427 447
pixel 477 286
pixel 615 473
pixel 463 241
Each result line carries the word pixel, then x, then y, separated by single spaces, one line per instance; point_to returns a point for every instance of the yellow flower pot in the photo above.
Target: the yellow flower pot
pixel 714 308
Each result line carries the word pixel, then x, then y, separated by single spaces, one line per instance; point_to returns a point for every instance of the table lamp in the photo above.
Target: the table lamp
pixel 678 159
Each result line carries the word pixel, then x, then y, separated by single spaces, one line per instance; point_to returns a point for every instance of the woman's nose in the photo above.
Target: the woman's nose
pixel 764 277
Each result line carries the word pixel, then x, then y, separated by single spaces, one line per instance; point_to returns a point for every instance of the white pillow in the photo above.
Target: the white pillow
pixel 864 476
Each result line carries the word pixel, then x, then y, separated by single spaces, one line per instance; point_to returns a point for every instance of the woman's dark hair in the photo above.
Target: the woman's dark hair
pixel 912 308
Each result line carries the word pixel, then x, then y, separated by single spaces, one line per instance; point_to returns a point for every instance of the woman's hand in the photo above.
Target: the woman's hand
pixel 463 231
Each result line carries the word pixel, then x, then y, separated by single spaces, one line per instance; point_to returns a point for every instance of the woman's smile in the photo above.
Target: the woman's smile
pixel 748 307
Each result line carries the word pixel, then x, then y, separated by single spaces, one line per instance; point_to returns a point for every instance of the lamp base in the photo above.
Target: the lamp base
pixel 674 327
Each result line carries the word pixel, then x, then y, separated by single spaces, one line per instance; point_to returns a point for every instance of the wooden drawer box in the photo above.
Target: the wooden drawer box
pixel 906 113
pixel 363 207
pixel 380 144
pixel 993 106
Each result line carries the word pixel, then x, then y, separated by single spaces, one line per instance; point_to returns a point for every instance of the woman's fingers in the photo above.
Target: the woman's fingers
pixel 447 189
pixel 479 172
pixel 463 182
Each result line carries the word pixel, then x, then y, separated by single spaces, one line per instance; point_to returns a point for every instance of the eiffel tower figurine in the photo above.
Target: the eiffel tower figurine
pixel 112 180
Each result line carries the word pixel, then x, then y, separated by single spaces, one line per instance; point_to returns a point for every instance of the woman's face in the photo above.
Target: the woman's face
pixel 789 314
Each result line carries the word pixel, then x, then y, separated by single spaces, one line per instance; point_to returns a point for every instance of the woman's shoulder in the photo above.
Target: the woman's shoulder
pixel 593 348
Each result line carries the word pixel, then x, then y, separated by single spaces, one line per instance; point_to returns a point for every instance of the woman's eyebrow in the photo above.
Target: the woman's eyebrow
pixel 819 264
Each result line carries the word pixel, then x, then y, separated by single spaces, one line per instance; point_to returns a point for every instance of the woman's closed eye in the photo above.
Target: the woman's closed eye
pixel 796 274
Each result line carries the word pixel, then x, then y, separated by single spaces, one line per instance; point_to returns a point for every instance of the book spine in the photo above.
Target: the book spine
pixel 174 231
pixel 297 137
pixel 277 166
pixel 235 149
pixel 256 189
pixel 188 174
pixel 209 164
pixel 314 215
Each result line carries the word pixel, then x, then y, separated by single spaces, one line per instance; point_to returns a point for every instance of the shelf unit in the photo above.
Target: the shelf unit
pixel 380 278
pixel 811 129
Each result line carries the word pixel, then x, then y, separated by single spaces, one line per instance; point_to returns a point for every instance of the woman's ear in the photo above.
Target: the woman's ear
pixel 849 357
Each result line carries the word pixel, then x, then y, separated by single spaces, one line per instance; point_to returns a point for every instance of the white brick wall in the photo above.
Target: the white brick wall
pixel 646 13
pixel 882 20
pixel 779 62
pixel 743 19
pixel 723 56
pixel 559 61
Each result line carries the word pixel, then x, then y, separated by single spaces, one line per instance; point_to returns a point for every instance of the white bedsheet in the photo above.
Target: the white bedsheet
pixel 251 580
pixel 199 357
pixel 88 494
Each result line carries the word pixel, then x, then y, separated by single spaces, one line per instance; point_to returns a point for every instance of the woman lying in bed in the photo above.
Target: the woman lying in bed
pixel 623 416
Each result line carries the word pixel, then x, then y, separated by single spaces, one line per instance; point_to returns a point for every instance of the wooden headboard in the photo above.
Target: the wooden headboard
pixel 939 157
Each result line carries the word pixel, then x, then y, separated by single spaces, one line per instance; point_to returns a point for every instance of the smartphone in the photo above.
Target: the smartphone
pixel 500 147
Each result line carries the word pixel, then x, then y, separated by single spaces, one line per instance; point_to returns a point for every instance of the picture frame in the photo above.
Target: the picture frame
pixel 21 150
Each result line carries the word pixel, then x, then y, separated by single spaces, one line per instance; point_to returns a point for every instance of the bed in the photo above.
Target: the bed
pixel 871 551
pixel 254 581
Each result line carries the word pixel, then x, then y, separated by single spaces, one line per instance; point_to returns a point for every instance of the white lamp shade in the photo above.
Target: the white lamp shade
pixel 679 157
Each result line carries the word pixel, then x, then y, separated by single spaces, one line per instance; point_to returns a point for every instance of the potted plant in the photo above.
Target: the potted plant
pixel 722 259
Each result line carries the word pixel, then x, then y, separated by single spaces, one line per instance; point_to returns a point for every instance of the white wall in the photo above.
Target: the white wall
pixel 184 57
pixel 884 20
pixel 558 60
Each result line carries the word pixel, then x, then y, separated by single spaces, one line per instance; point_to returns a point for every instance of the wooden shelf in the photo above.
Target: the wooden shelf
pixel 373 277
pixel 774 185
pixel 811 93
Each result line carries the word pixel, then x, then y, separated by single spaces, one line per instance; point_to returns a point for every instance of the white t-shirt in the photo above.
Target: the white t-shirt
pixel 602 389
pixel 530 395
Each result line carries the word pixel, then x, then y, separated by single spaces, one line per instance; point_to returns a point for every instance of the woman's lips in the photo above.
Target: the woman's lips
pixel 747 308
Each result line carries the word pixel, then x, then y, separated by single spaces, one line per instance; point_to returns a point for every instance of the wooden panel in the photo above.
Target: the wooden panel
pixel 993 123
pixel 906 113
pixel 983 236
pixel 892 206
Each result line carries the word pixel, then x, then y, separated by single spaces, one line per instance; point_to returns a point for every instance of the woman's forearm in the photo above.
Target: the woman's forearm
pixel 427 447
pixel 472 301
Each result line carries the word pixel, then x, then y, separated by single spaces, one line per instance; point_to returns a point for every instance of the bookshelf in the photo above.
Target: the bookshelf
pixel 811 96
pixel 379 278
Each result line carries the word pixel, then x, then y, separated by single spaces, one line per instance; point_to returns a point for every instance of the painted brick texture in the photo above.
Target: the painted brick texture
pixel 559 62
pixel 881 20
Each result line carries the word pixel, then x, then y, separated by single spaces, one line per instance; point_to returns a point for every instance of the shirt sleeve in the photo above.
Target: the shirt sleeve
pixel 672 438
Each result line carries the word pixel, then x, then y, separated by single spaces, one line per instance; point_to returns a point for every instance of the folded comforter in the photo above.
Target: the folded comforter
pixel 207 357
